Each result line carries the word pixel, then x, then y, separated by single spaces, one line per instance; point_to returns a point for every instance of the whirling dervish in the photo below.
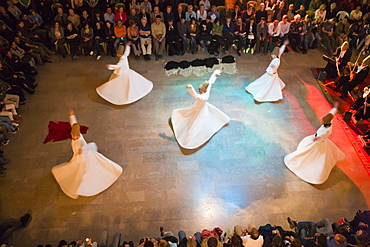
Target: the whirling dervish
pixel 316 155
pixel 124 86
pixel 88 172
pixel 195 126
pixel 268 88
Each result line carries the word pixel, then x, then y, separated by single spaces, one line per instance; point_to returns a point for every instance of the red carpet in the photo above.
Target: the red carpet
pixel 352 130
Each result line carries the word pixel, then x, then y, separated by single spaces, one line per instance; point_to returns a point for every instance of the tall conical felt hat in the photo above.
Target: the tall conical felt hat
pixel 327 119
pixel 120 49
pixel 276 51
pixel 75 131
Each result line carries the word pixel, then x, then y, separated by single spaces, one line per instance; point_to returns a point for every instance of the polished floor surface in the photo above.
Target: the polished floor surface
pixel 238 177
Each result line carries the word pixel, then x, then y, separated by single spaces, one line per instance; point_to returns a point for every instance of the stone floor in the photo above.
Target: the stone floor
pixel 238 177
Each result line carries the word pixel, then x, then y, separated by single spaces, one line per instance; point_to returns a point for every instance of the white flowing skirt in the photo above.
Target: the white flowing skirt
pixel 87 174
pixel 193 128
pixel 125 89
pixel 313 161
pixel 267 88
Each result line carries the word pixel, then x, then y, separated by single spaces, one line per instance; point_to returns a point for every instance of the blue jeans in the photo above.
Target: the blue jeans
pixel 182 236
pixel 184 41
pixel 97 47
pixel 118 41
pixel 7 123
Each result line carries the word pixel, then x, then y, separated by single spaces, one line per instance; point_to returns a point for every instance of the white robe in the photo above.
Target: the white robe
pixel 314 160
pixel 125 86
pixel 88 173
pixel 268 88
pixel 193 127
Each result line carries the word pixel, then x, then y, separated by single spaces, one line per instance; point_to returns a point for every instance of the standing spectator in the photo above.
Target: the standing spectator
pixel 262 36
pixel 145 38
pixel 120 32
pixel 110 38
pixel 71 35
pixel 159 33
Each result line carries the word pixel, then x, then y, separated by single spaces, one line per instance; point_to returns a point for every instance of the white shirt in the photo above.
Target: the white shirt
pixel 284 28
pixel 249 242
pixel 276 32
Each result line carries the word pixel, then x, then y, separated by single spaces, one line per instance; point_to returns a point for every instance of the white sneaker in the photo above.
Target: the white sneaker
pixel 91 53
pixel 98 57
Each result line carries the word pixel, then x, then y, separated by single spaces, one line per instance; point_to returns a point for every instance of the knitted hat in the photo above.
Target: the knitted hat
pixel 75 131
pixel 327 119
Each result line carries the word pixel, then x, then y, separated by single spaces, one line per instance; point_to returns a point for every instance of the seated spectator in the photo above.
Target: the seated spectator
pixel 342 30
pixel 227 11
pixel 86 44
pixel 11 225
pixel 61 18
pixel 284 28
pixel 302 11
pixel 248 14
pixel 355 14
pixel 251 31
pixel 296 27
pixel 120 32
pixel 133 37
pixel 7 105
pixel 240 4
pixel 279 11
pixel 206 4
pixel 274 33
pixel 72 39
pixel 120 15
pixel 341 58
pixel 38 34
pixel 347 5
pixel 261 13
pixel 147 6
pixel 25 57
pixel 341 15
pixel 39 55
pixel 110 38
pixel 85 17
pixel 7 18
pixel 290 13
pixel 356 33
pixel 254 239
pixel 308 229
pixel 314 5
pixel 204 33
pixel 193 35
pixel 307 36
pixel 217 29
pixel 332 11
pixel 109 16
pixel 17 65
pixel 155 13
pixel 14 10
pixel 348 82
pixel 74 18
pixel 213 13
pixel 168 14
pixel 158 30
pixel 145 38
pixel 211 242
pixel 321 11
pixel 183 29
pixel 172 39
pixel 133 16
pixel 191 241
pixel 40 47
pixel 337 240
pixel 99 37
pixel 190 13
pixel 262 36
pixel 201 13
pixel 144 14
pixel 58 38
pixel 228 34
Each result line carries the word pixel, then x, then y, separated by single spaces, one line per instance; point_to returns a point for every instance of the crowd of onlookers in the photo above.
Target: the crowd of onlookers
pixel 31 31
pixel 343 233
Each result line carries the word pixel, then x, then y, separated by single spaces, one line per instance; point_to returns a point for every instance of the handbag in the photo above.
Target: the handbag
pixel 250 36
